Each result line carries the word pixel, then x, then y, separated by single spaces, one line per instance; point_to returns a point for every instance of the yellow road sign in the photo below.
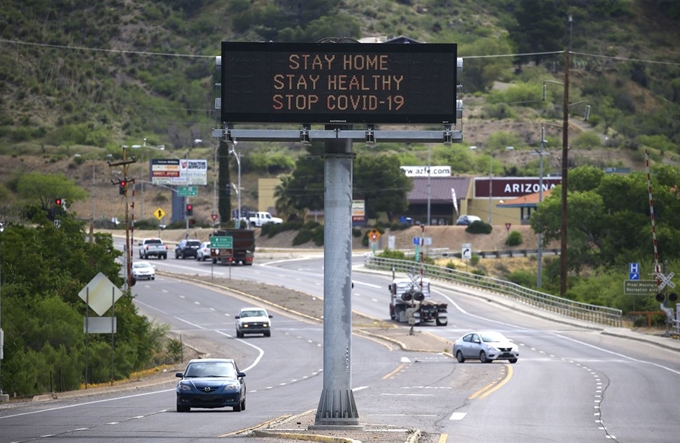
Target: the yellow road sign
pixel 159 213
pixel 374 235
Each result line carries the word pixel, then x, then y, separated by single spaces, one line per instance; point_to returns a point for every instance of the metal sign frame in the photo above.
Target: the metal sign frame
pixel 340 83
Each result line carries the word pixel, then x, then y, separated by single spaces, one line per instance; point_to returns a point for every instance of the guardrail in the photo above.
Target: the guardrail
pixel 446 252
pixel 570 308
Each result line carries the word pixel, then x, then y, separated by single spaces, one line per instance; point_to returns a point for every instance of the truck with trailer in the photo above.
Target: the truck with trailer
pixel 410 299
pixel 243 250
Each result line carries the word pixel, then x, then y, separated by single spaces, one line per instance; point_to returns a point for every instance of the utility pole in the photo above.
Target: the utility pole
pixel 565 171
pixel 124 183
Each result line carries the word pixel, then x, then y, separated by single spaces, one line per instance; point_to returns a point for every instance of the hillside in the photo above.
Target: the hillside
pixel 78 80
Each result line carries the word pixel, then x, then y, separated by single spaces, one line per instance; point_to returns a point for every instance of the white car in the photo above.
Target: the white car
pixel 486 346
pixel 253 321
pixel 203 252
pixel 465 220
pixel 143 270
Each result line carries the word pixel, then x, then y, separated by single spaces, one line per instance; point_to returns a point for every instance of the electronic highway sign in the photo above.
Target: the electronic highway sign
pixel 338 83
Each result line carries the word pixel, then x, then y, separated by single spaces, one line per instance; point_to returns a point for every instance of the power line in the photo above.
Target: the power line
pixel 625 59
pixel 524 54
pixel 115 51
pixel 169 54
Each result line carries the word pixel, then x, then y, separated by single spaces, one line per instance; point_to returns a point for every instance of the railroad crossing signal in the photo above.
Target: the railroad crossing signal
pixel 665 280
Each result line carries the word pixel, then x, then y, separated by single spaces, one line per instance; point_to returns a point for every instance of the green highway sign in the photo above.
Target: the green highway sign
pixel 633 287
pixel 221 242
pixel 187 191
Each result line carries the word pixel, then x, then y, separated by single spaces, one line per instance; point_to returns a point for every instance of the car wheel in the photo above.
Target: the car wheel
pixel 183 408
pixel 243 404
pixel 483 358
pixel 165 256
pixel 459 357
pixel 237 408
pixel 153 278
pixel 441 323
pixel 268 334
pixel 512 360
pixel 239 334
pixel 176 256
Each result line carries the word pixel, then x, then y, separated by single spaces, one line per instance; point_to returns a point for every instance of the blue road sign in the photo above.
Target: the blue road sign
pixel 634 271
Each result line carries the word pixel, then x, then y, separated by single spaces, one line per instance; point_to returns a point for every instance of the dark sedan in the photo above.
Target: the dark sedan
pixel 211 383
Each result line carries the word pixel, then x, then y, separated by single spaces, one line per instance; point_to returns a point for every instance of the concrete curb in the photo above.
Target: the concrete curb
pixel 306 437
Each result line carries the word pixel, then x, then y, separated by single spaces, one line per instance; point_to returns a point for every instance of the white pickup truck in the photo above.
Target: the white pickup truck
pixel 152 247
pixel 258 219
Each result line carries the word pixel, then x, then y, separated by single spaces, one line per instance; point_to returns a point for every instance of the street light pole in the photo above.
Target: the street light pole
pixel 214 210
pixel 490 183
pixel 238 190
pixel 429 184
pixel 539 269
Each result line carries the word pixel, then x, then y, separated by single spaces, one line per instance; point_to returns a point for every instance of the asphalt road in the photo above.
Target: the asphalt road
pixel 572 383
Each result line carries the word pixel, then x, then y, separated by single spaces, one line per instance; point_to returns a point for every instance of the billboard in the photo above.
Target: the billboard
pixel 179 172
pixel 338 83
pixel 511 187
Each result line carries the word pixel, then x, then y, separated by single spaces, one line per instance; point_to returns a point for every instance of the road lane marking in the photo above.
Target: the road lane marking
pixel 458 415
pixel 489 389
pixel 399 368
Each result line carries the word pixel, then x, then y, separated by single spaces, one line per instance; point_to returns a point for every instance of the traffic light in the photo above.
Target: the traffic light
pixel 190 210
pixel 58 201
pixel 121 187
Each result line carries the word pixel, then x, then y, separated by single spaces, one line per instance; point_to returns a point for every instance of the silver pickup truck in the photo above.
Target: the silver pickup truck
pixel 153 247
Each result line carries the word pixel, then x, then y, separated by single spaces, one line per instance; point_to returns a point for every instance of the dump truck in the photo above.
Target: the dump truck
pixel 410 302
pixel 243 250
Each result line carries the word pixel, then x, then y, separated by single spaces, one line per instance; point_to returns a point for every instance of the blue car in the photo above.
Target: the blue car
pixel 211 383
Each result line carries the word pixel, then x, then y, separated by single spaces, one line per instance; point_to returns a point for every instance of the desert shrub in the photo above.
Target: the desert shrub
pixel 450 265
pixel 318 236
pixel 302 237
pixel 523 278
pixel 514 239
pixel 474 260
pixel 478 272
pixel 479 227
pixel 391 253
pixel 311 224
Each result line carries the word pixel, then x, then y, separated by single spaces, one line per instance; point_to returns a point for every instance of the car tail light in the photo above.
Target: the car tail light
pixel 147 247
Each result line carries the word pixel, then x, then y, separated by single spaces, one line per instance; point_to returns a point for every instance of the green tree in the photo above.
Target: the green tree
pixel 539 26
pixel 43 270
pixel 43 189
pixel 382 183
pixel 479 74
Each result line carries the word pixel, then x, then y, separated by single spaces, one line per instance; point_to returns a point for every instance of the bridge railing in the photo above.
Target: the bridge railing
pixel 570 308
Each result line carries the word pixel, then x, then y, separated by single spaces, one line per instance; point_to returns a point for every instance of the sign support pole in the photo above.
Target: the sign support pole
pixel 337 408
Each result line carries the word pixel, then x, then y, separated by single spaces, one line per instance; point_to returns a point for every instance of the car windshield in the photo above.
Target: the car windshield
pixel 141 264
pixel 153 242
pixel 193 243
pixel 210 369
pixel 492 337
pixel 253 314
